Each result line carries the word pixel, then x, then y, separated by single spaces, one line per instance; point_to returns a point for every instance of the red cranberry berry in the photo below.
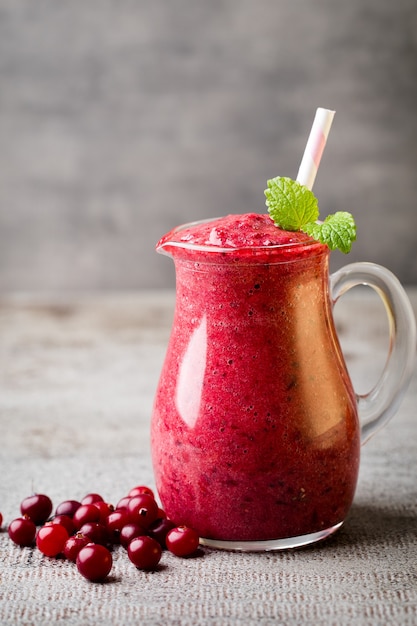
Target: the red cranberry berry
pixel 97 533
pixel 182 541
pixel 1 519
pixel 90 498
pixel 105 509
pixel 137 491
pixel 94 562
pixel 159 529
pixel 129 532
pixel 161 514
pixel 86 513
pixel 122 504
pixel 22 531
pixel 144 552
pixel 68 507
pixel 73 545
pixel 116 520
pixel 66 522
pixel 51 539
pixel 38 507
pixel 143 509
pixel 114 524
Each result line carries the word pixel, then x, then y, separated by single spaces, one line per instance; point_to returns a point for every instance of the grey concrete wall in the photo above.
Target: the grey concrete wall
pixel 122 118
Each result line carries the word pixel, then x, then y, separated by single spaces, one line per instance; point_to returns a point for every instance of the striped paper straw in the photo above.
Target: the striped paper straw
pixel 315 146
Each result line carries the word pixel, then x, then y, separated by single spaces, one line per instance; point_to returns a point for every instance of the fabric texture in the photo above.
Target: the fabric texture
pixel 77 381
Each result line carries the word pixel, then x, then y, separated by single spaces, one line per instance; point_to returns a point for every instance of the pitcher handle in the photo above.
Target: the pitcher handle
pixel 379 405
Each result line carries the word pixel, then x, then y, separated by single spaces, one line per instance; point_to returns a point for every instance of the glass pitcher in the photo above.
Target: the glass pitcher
pixel 256 428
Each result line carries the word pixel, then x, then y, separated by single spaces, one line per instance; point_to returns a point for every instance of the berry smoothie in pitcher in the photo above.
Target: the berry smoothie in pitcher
pixel 255 430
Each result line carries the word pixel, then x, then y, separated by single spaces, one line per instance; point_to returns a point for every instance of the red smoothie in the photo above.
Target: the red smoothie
pixel 255 432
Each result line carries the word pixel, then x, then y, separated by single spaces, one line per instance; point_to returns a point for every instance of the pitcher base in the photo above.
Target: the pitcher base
pixel 271 544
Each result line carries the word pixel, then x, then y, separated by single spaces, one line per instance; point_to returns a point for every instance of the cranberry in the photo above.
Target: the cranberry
pixel 68 507
pixel 122 504
pixel 94 562
pixel 138 523
pixel 161 514
pixel 90 498
pixel 51 539
pixel 105 509
pixel 22 531
pixel 97 533
pixel 159 529
pixel 86 513
pixel 1 519
pixel 66 522
pixel 129 532
pixel 182 541
pixel 115 522
pixel 143 509
pixel 38 507
pixel 137 491
pixel 144 552
pixel 73 545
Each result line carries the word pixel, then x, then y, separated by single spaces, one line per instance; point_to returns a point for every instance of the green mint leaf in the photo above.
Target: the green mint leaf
pixel 294 207
pixel 290 204
pixel 338 231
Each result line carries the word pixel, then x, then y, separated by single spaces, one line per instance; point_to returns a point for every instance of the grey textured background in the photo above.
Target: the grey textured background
pixel 120 119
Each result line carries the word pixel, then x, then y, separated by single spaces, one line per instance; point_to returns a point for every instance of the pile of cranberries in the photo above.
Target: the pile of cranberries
pixel 85 532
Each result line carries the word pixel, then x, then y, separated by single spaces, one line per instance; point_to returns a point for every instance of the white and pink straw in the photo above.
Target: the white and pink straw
pixel 315 146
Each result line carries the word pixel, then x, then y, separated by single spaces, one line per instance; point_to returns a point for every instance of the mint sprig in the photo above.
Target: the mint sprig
pixel 290 204
pixel 338 231
pixel 293 206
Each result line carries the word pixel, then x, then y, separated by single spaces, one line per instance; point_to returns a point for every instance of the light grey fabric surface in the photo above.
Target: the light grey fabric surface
pixel 77 378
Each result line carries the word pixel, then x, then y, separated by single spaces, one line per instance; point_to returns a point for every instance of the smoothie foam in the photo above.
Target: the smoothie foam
pixel 239 236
